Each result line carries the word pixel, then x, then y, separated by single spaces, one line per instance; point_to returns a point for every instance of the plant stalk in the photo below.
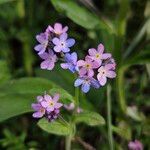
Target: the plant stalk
pixel 68 142
pixel 109 118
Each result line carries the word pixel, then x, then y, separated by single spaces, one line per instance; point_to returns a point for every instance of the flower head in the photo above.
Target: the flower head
pixel 37 107
pixel 58 29
pixel 63 44
pixel 50 104
pixel 86 67
pixel 86 83
pixel 49 60
pixel 135 145
pixel 51 116
pixel 70 62
pixel 42 38
pixel 47 107
pixel 104 73
pixel 98 55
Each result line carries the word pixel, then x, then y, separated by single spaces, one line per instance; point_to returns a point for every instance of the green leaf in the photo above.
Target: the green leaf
pixel 16 96
pixel 80 15
pixel 5 1
pixel 26 86
pixel 123 132
pixel 15 104
pixel 134 113
pixel 66 79
pixel 65 97
pixel 90 118
pixel 55 127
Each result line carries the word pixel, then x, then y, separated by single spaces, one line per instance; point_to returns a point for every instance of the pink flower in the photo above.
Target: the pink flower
pixel 50 104
pixel 58 29
pixel 98 55
pixel 135 145
pixel 86 67
pixel 104 73
pixel 49 60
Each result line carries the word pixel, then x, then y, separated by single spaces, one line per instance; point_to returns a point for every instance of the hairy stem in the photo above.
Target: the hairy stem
pixel 109 119
pixel 68 142
pixel 77 97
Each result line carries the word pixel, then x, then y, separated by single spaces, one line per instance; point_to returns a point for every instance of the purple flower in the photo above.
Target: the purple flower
pixel 70 106
pixel 86 82
pixel 104 73
pixel 50 104
pixel 135 145
pixel 51 116
pixel 70 62
pixel 98 55
pixel 86 67
pixel 37 107
pixel 49 60
pixel 58 29
pixel 42 38
pixel 62 44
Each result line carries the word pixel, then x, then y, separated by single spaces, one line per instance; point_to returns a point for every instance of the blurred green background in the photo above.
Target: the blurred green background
pixel 123 26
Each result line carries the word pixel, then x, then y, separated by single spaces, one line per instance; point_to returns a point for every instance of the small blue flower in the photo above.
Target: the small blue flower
pixel 86 83
pixel 63 44
pixel 70 62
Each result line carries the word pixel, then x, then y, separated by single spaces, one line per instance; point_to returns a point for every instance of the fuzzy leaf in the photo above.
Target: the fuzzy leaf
pixel 55 127
pixel 80 15
pixel 90 118
pixel 16 96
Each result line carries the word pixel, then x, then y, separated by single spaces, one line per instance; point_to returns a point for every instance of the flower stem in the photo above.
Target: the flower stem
pixel 109 119
pixel 68 142
pixel 76 97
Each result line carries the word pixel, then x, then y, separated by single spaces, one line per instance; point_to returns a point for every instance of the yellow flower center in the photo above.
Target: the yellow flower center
pixel 97 56
pixel 88 66
pixel 51 104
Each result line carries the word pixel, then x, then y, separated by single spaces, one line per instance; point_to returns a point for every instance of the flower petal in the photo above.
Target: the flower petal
pixel 57 49
pixel 81 63
pixel 106 55
pixel 65 29
pixel 70 42
pixel 56 41
pixel 78 82
pixel 100 48
pixel 58 28
pixel 56 97
pixel 102 80
pixel 63 37
pixel 47 97
pixel 58 105
pixel 85 87
pixel 95 83
pixel 92 51
pixel 65 49
pixel 38 115
pixel 64 65
pixel 110 74
pixel 74 57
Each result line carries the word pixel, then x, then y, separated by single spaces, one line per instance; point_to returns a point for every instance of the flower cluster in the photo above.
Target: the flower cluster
pixel 47 106
pixel 135 145
pixel 93 71
pixel 71 107
pixel 53 44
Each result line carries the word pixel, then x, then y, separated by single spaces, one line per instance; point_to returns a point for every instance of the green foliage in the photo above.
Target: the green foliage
pixel 84 18
pixel 56 127
pixel 89 118
pixel 4 72
pixel 16 96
